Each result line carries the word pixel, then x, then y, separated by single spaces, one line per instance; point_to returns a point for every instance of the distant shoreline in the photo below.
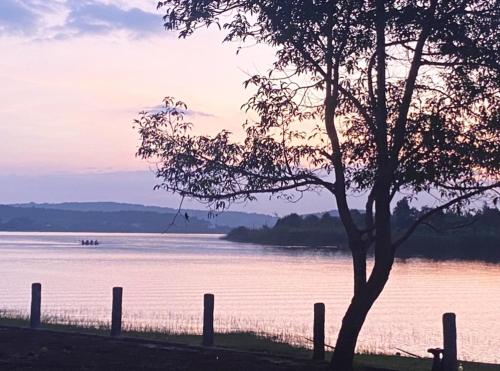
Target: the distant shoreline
pixel 106 220
pixel 108 232
pixel 345 251
pixel 478 240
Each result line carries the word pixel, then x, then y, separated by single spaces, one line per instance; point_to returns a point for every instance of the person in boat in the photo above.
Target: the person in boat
pixel 90 242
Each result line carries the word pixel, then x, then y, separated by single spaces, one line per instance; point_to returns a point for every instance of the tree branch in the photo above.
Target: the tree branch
pixel 243 192
pixel 400 126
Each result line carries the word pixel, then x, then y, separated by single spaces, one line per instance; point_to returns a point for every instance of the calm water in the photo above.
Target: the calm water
pixel 256 288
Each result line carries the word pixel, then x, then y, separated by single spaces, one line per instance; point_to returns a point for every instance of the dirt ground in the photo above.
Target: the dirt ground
pixel 26 349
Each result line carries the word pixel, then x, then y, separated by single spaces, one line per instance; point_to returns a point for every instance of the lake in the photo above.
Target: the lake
pixel 257 288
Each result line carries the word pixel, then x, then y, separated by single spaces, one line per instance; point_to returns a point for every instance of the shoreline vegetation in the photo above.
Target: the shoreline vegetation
pixel 258 346
pixel 448 235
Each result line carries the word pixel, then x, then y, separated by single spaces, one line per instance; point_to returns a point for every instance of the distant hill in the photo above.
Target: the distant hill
pixel 55 220
pixel 230 219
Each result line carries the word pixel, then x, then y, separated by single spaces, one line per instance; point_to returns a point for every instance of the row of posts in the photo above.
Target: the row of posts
pixel 116 313
pixel 448 362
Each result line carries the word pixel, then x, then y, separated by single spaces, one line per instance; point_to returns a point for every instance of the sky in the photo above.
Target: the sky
pixel 75 73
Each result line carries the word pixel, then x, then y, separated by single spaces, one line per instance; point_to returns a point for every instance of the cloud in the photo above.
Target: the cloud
pixel 16 17
pixel 93 17
pixel 61 19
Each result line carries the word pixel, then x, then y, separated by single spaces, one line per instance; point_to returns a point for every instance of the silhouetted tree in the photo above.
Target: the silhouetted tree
pixel 326 219
pixel 292 220
pixel 363 96
pixel 311 220
pixel 403 214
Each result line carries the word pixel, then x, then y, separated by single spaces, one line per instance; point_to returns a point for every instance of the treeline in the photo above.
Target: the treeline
pixel 446 235
pixel 50 220
pixel 295 230
pixel 450 235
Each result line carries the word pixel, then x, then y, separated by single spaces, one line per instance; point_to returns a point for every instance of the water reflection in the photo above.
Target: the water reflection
pixel 256 288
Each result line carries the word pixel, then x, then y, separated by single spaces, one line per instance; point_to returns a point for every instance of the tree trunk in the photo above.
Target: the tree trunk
pixel 366 294
pixel 359 266
pixel 352 322
pixel 355 317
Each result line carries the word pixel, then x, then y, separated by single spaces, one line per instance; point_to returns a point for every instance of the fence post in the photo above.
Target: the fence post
pixel 319 332
pixel 116 314
pixel 449 342
pixel 36 301
pixel 208 320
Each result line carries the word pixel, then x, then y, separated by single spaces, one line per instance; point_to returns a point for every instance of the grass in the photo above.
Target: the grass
pixel 246 341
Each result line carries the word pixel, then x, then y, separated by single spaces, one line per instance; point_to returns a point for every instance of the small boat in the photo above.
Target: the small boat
pixel 90 242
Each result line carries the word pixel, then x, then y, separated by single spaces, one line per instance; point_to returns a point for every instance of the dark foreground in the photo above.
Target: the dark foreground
pixel 25 349
pixel 48 349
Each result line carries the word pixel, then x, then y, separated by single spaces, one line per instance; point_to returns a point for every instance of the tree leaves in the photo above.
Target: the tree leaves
pixel 451 131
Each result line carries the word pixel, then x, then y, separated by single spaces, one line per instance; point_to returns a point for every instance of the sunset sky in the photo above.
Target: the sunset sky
pixel 74 74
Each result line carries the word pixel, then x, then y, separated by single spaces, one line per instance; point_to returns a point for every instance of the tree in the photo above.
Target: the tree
pixel 403 215
pixel 375 97
pixel 292 220
pixel 311 220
